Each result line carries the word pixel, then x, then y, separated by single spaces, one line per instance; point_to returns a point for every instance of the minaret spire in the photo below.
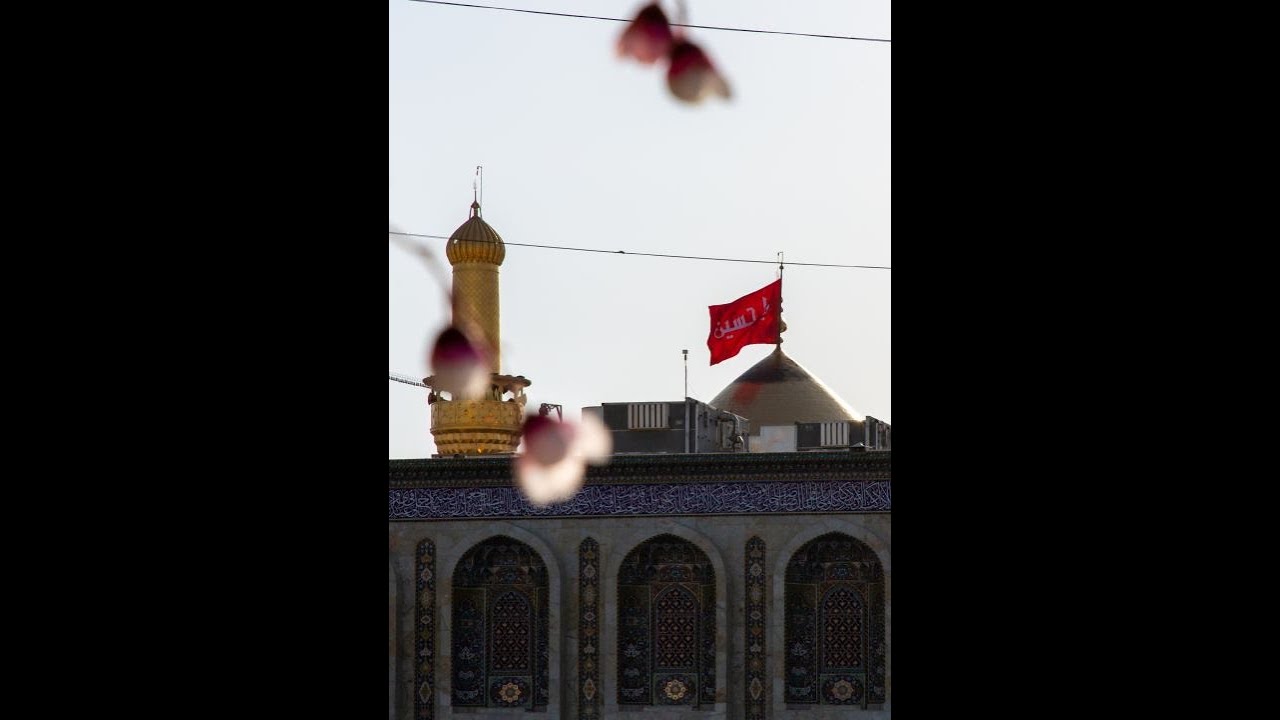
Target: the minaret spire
pixel 468 426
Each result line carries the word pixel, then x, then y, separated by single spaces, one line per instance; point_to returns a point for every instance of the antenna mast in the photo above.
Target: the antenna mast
pixel 686 372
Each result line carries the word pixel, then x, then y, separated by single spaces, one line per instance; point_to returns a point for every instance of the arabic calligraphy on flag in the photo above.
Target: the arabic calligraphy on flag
pixel 750 320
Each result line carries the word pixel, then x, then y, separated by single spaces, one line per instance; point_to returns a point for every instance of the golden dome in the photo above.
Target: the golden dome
pixel 475 241
pixel 778 391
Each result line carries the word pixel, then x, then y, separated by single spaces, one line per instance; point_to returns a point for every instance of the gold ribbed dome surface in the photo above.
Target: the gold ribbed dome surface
pixel 778 391
pixel 475 241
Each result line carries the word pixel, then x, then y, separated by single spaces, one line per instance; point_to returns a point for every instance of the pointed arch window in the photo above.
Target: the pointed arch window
pixel 835 648
pixel 666 625
pixel 500 615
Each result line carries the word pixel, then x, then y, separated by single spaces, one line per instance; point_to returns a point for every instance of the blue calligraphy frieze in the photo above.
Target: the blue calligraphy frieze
pixel 623 500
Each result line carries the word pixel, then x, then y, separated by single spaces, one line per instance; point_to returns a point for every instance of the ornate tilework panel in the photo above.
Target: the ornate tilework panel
pixel 666 558
pixel 876 644
pixel 589 630
pixel 468 647
pixel 500 626
pixel 666 624
pixel 707 639
pixel 424 679
pixel 801 652
pixel 675 629
pixel 842 690
pixel 834 557
pixel 633 645
pixel 511 634
pixel 508 692
pixel 500 561
pixel 674 688
pixel 541 676
pixel 835 623
pixel 842 613
pixel 756 685
pixel 427 503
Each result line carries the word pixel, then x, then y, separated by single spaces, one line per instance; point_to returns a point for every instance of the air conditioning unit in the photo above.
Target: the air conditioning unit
pixel 648 416
pixel 825 435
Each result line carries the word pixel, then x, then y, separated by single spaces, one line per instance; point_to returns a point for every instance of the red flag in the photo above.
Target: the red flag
pixel 750 320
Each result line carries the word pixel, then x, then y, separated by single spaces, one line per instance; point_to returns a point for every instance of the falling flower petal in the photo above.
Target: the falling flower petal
pixel 546 484
pixel 460 367
pixel 546 440
pixel 553 464
pixel 691 76
pixel 648 37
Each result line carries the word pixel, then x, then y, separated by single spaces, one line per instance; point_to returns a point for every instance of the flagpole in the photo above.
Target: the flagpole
pixel 779 323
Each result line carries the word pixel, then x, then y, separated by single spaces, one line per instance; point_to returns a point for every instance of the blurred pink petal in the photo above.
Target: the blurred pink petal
pixel 553 464
pixel 648 37
pixel 459 366
pixel 545 484
pixel 691 76
pixel 545 440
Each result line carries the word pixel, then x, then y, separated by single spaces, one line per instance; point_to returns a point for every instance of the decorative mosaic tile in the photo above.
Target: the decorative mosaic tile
pixel 589 630
pixel 756 681
pixel 424 678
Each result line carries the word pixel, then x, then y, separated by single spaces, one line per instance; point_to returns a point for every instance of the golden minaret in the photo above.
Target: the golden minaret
pixel 491 424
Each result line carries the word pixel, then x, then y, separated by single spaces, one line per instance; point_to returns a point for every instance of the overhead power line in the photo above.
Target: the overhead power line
pixel 627 20
pixel 660 255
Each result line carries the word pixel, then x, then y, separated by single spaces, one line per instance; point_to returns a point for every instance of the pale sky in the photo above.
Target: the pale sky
pixel 583 149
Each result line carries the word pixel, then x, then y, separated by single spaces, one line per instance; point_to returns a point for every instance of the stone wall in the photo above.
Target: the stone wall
pixel 558 540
